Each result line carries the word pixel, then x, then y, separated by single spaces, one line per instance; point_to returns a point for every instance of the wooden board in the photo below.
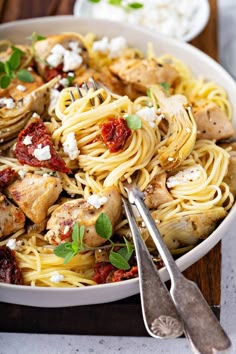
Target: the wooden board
pixel 121 317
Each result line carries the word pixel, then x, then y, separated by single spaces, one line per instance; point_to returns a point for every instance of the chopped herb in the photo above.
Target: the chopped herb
pixel 70 79
pixel 68 250
pixel 103 226
pixel 25 76
pixel 35 37
pixel 4 81
pixel 115 2
pixel 94 1
pixel 135 5
pixel 149 92
pixel 10 69
pixel 118 261
pixel 165 85
pixel 133 122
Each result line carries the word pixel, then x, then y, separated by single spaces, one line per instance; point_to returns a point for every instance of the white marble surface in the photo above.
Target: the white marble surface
pixel 11 343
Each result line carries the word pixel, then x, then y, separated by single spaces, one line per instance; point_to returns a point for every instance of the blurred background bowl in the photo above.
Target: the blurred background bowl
pixel 180 19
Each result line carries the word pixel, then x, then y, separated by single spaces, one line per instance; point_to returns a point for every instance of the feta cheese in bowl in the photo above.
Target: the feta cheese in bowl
pixel 181 19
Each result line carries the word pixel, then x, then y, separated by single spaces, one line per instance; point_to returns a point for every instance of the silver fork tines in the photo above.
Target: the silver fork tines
pixel 86 87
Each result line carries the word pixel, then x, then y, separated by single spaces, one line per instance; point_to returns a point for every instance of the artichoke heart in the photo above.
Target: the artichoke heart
pixel 182 131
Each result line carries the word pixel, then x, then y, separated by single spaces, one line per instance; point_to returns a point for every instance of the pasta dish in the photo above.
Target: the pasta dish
pixel 81 116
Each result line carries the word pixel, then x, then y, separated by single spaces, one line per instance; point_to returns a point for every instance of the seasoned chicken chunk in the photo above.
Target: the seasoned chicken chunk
pixel 12 218
pixel 35 194
pixel 143 73
pixel 156 192
pixel 212 123
pixel 79 210
pixel 230 177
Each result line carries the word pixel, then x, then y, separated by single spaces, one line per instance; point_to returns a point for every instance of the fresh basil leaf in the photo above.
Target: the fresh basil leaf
pixel 75 247
pixel 81 235
pixel 14 60
pixel 70 79
pixel 69 256
pixel 165 85
pixel 17 50
pixel 2 70
pixel 133 122
pixel 129 247
pixel 75 232
pixel 62 250
pixel 7 68
pixel 115 2
pixel 118 261
pixel 25 76
pixel 4 81
pixel 124 253
pixel 103 226
pixel 135 5
pixel 35 37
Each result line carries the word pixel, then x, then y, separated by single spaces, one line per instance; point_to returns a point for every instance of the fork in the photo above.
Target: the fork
pixel 201 327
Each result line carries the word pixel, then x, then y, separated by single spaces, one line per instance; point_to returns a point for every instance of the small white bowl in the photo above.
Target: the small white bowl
pixel 85 8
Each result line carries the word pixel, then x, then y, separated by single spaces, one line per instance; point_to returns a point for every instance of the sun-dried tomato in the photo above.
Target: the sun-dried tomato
pixel 102 271
pixel 7 176
pixel 120 274
pixel 115 133
pixel 9 270
pixel 39 135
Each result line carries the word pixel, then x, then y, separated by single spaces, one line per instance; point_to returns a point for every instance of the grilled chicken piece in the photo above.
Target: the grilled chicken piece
pixel 11 218
pixel 44 47
pixel 35 194
pixel 156 192
pixel 212 123
pixel 78 210
pixel 190 229
pixel 143 73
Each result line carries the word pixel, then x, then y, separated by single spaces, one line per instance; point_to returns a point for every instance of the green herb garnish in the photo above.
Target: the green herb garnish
pixel 68 250
pixel 165 85
pixel 11 69
pixel 103 227
pixel 133 122
pixel 35 37
pixel 126 7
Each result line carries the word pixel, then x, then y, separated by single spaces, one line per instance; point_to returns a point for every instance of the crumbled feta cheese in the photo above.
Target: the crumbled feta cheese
pixel 21 88
pixel 21 173
pixel 70 146
pixel 46 175
pixel 71 74
pixel 35 115
pixel 148 114
pixel 54 95
pixel 74 46
pixel 11 243
pixel 42 153
pixel 8 102
pixel 56 277
pixel 54 60
pixel 96 201
pixel 102 45
pixel 64 82
pixel 117 46
pixel 188 175
pixel 58 49
pixel 66 229
pixel 27 140
pixel 72 60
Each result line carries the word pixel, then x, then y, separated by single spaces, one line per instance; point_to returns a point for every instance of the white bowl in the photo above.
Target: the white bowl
pixel 200 64
pixel 85 8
